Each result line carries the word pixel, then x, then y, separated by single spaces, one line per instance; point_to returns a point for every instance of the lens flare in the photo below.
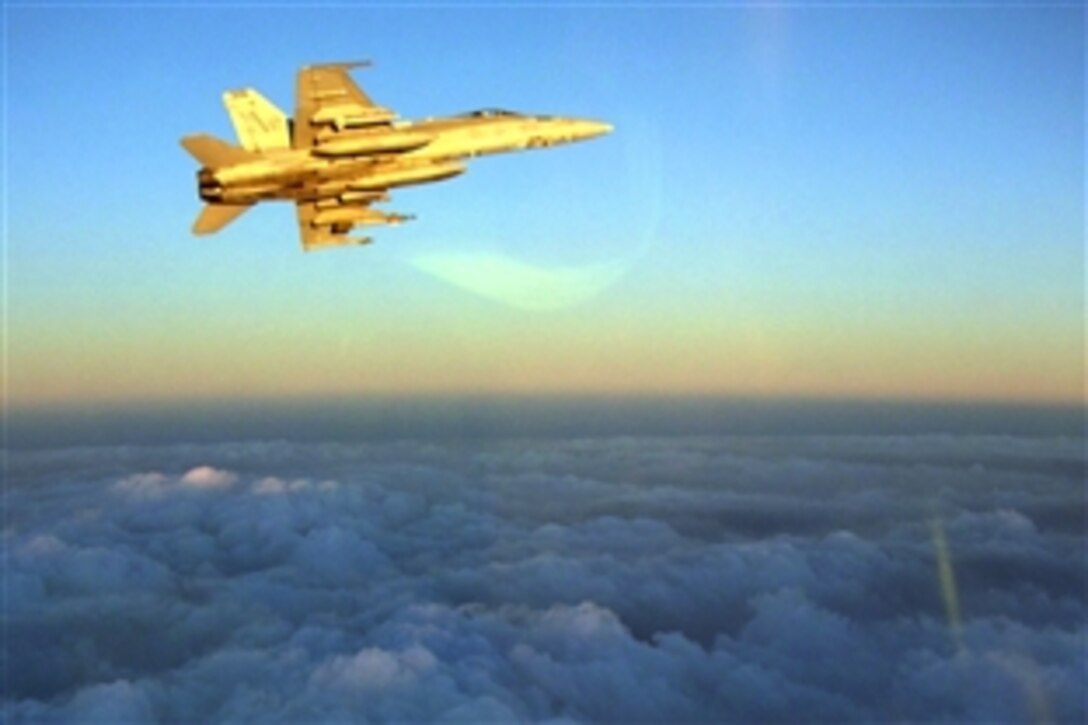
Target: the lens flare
pixel 518 284
pixel 946 577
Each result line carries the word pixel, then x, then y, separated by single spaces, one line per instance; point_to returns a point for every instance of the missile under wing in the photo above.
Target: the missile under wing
pixel 330 109
pixel 327 102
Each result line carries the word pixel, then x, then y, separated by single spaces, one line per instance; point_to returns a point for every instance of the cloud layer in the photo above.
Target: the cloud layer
pixel 609 579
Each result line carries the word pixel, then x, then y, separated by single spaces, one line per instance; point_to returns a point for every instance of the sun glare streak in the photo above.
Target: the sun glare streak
pixel 946 578
pixel 1021 669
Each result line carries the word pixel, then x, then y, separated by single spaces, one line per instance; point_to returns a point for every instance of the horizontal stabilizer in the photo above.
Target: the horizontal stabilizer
pixel 214 153
pixel 214 217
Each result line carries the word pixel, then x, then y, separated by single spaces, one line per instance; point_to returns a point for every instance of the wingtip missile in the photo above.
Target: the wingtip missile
pixel 335 240
pixel 340 65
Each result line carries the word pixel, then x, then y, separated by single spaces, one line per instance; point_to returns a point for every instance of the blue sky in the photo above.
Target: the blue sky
pixel 817 201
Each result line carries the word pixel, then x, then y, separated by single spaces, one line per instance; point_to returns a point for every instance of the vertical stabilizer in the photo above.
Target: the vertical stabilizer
pixel 259 124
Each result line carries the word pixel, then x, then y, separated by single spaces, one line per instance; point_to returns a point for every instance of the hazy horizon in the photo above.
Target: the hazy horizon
pixel 445 417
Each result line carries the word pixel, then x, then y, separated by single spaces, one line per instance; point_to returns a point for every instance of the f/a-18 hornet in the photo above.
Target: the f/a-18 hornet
pixel 342 153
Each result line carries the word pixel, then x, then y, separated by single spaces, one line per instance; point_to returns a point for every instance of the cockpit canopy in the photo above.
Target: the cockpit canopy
pixel 490 113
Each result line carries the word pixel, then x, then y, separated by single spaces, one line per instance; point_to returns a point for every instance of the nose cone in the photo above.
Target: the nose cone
pixel 551 131
pixel 592 129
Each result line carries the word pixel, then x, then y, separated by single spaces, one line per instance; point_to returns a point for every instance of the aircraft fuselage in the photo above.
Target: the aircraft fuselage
pixel 369 160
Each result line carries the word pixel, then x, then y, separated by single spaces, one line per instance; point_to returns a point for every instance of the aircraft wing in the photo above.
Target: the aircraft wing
pixel 327 100
pixel 318 236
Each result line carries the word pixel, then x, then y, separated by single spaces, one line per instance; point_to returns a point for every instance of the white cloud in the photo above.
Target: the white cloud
pixel 374 669
pixel 42 545
pixel 116 702
pixel 208 477
pixel 143 484
pixel 269 485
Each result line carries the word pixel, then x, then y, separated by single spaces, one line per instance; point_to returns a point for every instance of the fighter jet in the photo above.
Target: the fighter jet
pixel 342 153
